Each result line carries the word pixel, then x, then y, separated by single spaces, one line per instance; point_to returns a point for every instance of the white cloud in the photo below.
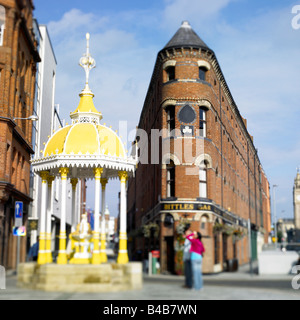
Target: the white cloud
pixel 198 12
pixel 75 20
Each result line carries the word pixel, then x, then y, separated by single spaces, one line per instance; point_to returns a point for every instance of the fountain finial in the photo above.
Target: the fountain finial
pixel 87 63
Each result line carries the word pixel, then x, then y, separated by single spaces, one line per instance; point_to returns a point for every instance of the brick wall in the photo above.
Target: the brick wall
pixel 18 58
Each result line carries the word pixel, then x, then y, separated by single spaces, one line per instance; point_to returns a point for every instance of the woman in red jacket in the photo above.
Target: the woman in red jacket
pixel 197 250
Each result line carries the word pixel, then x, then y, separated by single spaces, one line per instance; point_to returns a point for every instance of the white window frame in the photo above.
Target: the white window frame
pixel 203 180
pixel 170 179
pixel 2 24
pixel 202 121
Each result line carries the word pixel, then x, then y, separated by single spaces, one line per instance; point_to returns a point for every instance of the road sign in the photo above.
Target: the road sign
pixel 19 209
pixel 18 213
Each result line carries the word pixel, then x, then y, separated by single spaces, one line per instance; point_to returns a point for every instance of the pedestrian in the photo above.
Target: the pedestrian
pixel 187 260
pixel 197 250
pixel 33 251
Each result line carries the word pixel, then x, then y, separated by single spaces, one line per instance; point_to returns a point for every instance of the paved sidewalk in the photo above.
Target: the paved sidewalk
pixel 224 286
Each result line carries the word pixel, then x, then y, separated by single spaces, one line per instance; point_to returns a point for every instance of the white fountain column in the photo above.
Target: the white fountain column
pixel 62 254
pixel 103 236
pixel 49 214
pixel 42 236
pixel 96 259
pixel 123 254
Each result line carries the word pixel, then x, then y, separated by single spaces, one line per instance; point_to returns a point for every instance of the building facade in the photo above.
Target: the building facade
pixel 18 60
pixel 198 164
pixel 44 109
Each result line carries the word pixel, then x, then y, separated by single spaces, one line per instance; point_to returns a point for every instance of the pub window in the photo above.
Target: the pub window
pixel 170 119
pixel 216 249
pixel 170 73
pixel 203 225
pixel 2 24
pixel 202 122
pixel 203 179
pixel 171 179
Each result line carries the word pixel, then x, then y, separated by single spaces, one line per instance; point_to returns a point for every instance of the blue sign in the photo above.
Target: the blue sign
pixel 19 209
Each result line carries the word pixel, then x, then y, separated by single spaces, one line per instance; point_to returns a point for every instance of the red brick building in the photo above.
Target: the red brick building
pixel 18 58
pixel 198 164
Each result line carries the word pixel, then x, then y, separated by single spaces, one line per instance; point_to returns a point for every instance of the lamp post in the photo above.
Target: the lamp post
pixel 32 118
pixel 274 215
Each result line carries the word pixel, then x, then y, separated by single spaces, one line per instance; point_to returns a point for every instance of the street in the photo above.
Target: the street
pixel 224 286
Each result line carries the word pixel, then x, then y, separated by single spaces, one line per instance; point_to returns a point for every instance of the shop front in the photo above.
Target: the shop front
pixel 224 235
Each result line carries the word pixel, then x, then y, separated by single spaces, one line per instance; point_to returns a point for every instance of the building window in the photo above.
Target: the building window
pixel 170 73
pixel 2 24
pixel 217 249
pixel 202 122
pixel 203 179
pixel 171 179
pixel 202 73
pixel 170 119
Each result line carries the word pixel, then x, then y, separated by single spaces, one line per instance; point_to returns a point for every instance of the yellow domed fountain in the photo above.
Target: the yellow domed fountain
pixel 85 149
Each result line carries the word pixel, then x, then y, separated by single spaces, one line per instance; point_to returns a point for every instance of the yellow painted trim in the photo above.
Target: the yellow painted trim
pixel 96 259
pixel 123 176
pixel 103 182
pixel 42 246
pixel 48 248
pixel 110 142
pixel 98 172
pixel 123 254
pixel 64 173
pixel 44 175
pixel 55 144
pixel 74 182
pixel 62 255
pixel 86 104
pixel 82 138
pixel 50 179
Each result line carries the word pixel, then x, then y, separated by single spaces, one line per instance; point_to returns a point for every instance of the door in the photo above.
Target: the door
pixel 170 254
pixel 254 244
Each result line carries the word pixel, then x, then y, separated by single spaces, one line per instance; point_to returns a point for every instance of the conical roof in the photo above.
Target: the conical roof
pixel 186 37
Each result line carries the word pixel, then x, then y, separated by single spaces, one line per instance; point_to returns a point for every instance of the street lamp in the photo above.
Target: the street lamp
pixel 275 218
pixel 32 118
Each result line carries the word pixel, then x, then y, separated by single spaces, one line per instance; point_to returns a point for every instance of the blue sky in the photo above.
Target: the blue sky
pixel 255 44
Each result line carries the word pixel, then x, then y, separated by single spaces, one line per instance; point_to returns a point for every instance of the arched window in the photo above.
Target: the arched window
pixel 202 73
pixel 2 24
pixel 169 70
pixel 202 121
pixel 171 179
pixel 203 179
pixel 170 73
